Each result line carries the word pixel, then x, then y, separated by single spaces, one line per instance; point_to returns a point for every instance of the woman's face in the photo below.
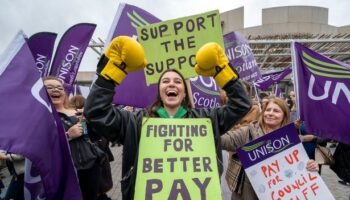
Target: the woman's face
pixel 172 90
pixel 273 116
pixel 56 91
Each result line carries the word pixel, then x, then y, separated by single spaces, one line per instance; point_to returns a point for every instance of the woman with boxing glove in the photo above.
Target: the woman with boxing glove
pixel 125 55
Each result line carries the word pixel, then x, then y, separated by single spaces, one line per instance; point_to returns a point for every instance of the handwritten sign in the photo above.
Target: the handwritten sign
pixel 276 167
pixel 173 44
pixel 177 159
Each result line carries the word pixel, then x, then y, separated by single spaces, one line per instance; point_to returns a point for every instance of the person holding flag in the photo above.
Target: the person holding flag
pixel 125 55
pixel 88 175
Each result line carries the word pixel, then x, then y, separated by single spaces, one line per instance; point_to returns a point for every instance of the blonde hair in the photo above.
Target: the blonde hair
pixel 284 107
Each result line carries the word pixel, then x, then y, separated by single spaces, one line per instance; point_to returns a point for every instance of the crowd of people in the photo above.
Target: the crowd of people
pixel 97 123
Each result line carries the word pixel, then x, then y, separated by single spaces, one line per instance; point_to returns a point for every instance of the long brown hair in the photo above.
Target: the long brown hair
pixel 186 103
pixel 284 107
pixel 66 100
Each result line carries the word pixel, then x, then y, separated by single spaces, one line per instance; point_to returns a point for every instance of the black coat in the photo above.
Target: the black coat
pixel 342 161
pixel 125 127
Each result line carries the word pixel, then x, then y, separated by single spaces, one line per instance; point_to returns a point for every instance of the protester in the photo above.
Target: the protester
pixel 15 164
pixel 105 183
pixel 77 102
pixel 342 163
pixel 274 115
pixel 309 140
pixel 125 55
pixel 74 130
pixel 291 101
pixel 227 185
pixel 2 186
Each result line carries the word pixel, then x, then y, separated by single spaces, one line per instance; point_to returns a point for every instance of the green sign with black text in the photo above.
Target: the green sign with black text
pixel 173 44
pixel 177 160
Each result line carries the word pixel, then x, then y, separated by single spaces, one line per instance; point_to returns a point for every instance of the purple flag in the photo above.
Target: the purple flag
pixel 129 17
pixel 42 44
pixel 28 127
pixel 323 93
pixel 76 89
pixel 70 52
pixel 205 92
pixel 241 56
pixel 126 20
pixel 278 92
pixel 271 78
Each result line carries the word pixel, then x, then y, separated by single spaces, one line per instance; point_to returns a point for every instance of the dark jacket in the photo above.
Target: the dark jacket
pixel 342 161
pixel 125 127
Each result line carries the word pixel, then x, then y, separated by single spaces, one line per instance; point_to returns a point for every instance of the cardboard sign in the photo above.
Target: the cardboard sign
pixel 173 44
pixel 177 160
pixel 276 167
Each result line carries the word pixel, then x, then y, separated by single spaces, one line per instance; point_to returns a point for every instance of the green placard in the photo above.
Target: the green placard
pixel 177 160
pixel 174 43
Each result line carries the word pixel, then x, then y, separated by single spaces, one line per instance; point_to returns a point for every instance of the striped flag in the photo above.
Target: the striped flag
pixel 323 93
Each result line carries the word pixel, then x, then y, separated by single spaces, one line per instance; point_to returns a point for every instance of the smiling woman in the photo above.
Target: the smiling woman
pixel 172 92
pixel 275 114
pixel 172 101
pixel 88 176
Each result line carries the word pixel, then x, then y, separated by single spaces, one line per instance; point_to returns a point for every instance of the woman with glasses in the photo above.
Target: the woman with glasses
pixel 88 178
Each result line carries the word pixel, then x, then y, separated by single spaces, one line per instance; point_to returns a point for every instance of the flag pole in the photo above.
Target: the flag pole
pixel 295 76
pixel 257 97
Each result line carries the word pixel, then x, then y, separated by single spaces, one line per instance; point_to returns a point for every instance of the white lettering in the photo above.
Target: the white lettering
pixel 66 64
pixel 326 89
pixel 338 87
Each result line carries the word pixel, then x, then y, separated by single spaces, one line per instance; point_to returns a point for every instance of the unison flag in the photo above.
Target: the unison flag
pixel 42 44
pixel 271 78
pixel 278 92
pixel 205 92
pixel 323 93
pixel 29 128
pixel 241 56
pixel 129 17
pixel 70 52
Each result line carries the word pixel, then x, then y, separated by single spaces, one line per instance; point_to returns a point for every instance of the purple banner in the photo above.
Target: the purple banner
pixel 133 91
pixel 205 92
pixel 241 57
pixel 42 44
pixel 268 145
pixel 134 85
pixel 38 136
pixel 271 78
pixel 70 52
pixel 278 92
pixel 323 93
pixel 76 89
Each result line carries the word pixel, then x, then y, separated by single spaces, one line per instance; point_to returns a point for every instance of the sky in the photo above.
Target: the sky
pixel 57 16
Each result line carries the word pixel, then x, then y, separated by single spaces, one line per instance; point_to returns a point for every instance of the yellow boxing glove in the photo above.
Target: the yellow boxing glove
pixel 123 55
pixel 212 61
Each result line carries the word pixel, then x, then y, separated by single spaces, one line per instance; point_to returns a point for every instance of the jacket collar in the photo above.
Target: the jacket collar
pixel 164 114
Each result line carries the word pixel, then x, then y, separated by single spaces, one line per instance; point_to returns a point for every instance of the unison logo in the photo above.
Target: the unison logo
pixel 136 20
pixel 267 147
pixel 331 71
